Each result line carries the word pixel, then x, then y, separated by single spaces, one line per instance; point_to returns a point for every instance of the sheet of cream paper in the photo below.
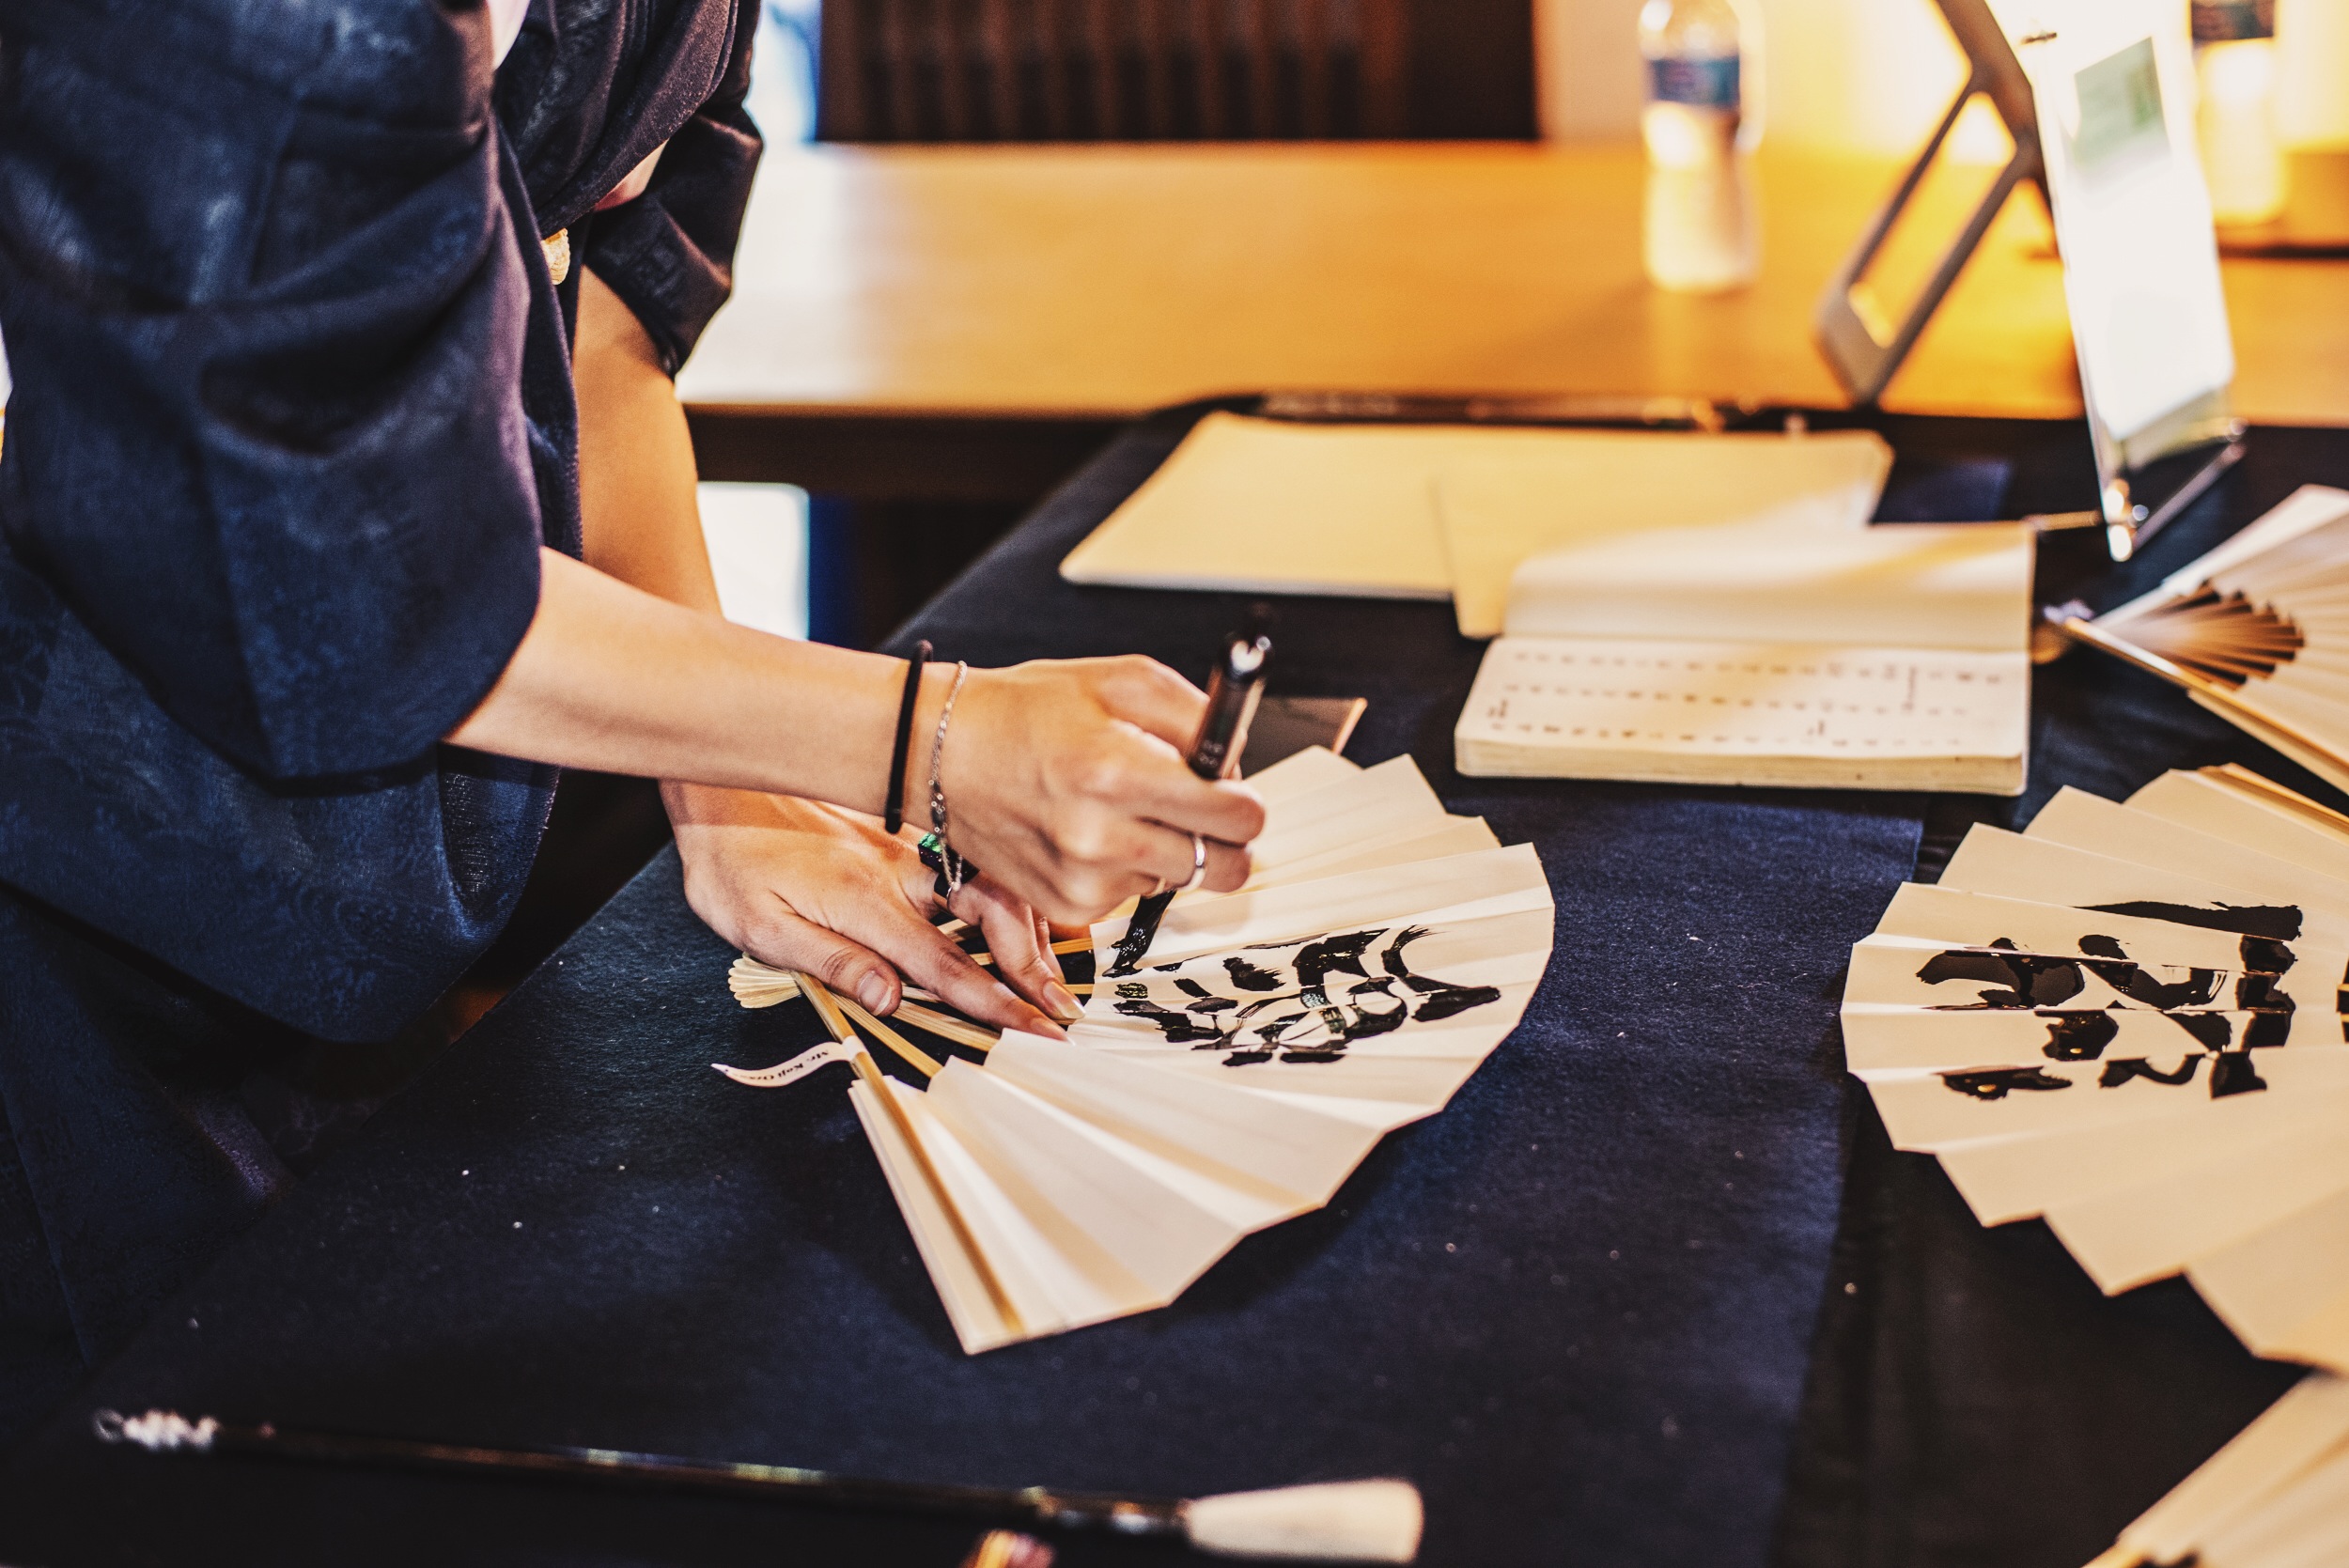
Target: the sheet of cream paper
pixel 1942 914
pixel 1885 1044
pixel 2114 84
pixel 1264 506
pixel 1107 1184
pixel 2306 1428
pixel 1100 1175
pixel 1458 887
pixel 1908 1008
pixel 1497 514
pixel 1650 709
pixel 2281 1286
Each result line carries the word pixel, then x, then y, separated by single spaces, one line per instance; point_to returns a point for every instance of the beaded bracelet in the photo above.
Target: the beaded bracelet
pixel 955 870
pixel 893 811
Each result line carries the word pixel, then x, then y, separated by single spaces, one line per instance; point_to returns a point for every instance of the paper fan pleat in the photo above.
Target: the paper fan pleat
pixel 2016 1178
pixel 2101 826
pixel 1294 1156
pixel 2274 1284
pixel 2008 865
pixel 2189 797
pixel 2132 1235
pixel 1270 1038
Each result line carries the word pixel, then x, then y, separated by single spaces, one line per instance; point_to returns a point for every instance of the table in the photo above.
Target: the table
pixel 1581 1306
pixel 959 324
pixel 1576 1306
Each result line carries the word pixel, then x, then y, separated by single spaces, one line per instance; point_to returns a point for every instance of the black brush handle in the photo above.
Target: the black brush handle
pixel 1232 693
pixel 162 1431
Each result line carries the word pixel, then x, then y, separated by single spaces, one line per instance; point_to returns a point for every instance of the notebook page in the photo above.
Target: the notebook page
pixel 1719 700
pixel 1916 586
pixel 1500 511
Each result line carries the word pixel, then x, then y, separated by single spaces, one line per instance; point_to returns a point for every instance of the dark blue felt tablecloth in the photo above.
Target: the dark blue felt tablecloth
pixel 1578 1307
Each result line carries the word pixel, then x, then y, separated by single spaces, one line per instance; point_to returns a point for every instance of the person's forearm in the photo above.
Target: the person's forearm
pixel 636 474
pixel 1068 785
pixel 609 677
pixel 612 678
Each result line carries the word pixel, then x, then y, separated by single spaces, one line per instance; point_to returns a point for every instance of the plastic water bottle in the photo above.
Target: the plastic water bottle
pixel 1702 229
pixel 2234 67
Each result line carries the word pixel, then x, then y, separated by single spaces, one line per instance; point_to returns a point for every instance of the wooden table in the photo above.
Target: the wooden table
pixel 905 309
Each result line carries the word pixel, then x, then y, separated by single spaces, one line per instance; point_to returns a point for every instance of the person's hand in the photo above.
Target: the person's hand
pixel 1065 783
pixel 810 887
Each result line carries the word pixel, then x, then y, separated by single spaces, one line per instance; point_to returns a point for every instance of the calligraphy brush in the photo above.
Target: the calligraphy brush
pixel 1354 1521
pixel 1232 693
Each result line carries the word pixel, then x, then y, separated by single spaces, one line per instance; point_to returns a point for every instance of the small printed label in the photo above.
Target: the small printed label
pixel 1703 82
pixel 791 1071
pixel 2225 21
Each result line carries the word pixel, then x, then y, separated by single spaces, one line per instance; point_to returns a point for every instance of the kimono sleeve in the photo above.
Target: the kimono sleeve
pixel 265 308
pixel 669 255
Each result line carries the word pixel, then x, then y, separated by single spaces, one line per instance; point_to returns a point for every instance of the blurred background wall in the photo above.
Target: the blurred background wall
pixel 1871 75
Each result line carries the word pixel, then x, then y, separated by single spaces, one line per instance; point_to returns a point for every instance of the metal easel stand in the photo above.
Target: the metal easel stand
pixel 1864 347
pixel 1861 346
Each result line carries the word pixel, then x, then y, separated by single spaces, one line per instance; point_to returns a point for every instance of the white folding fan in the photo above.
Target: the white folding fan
pixel 2257 630
pixel 2129 1020
pixel 1380 950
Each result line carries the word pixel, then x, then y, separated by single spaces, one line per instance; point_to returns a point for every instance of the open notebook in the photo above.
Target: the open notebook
pixel 1777 654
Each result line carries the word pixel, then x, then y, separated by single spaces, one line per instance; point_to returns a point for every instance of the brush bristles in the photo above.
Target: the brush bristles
pixel 1346 1521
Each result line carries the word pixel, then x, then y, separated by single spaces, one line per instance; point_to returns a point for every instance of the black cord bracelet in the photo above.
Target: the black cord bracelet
pixel 894 813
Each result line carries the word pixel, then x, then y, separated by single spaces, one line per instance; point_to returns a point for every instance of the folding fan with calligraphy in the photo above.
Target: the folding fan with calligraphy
pixel 1270 1036
pixel 2127 1020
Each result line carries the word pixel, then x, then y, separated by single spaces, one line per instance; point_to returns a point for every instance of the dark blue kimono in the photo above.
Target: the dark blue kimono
pixel 292 417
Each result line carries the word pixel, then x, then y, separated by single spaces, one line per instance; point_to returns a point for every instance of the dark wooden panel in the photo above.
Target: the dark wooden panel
pixel 912 459
pixel 1470 70
pixel 956 70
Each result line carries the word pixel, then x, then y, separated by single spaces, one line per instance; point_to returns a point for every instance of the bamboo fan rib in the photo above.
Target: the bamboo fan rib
pixel 1378 954
pixel 2224 636
pixel 2127 1020
pixel 2257 630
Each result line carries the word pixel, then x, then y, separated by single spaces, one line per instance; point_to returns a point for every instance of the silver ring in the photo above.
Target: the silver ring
pixel 1198 863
